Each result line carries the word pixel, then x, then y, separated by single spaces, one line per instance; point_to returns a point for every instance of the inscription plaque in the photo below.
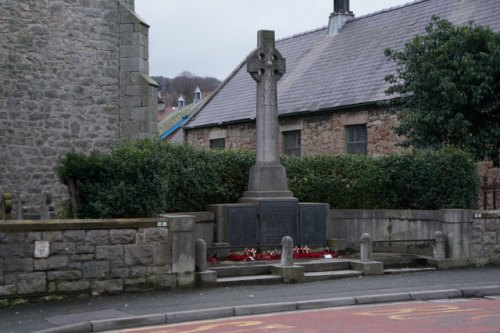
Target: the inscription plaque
pixel 42 249
pixel 242 226
pixel 277 220
pixel 312 224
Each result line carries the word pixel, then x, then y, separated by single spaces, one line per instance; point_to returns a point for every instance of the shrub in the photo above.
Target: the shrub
pixel 431 179
pixel 149 177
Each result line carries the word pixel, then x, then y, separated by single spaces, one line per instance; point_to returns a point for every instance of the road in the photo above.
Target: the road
pixel 26 318
pixel 471 316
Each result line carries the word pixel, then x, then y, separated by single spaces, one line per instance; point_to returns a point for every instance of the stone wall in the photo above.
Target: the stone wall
pixel 73 75
pixel 93 257
pixel 320 134
pixel 386 225
pixel 486 239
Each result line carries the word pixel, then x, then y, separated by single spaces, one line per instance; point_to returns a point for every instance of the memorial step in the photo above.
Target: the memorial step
pixel 330 275
pixel 395 271
pixel 248 280
pixel 324 265
pixel 241 270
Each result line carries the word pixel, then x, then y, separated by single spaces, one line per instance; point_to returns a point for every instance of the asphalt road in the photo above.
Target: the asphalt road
pixel 32 317
pixel 468 316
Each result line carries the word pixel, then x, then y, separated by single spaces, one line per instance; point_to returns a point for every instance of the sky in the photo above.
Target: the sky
pixel 211 37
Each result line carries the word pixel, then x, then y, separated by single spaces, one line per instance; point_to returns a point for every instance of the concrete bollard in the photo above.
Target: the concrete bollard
pixel 366 251
pixel 200 256
pixel 439 248
pixel 287 251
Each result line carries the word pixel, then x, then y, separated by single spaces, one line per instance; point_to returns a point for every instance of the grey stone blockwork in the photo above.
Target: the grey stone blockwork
pixel 73 75
pixel 94 261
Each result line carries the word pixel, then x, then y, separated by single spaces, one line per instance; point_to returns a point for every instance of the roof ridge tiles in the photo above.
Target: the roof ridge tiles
pixel 302 33
pixel 390 9
pixel 383 11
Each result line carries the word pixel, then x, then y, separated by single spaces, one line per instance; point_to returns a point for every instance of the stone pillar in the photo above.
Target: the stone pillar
pixel 182 247
pixel 203 277
pixel 200 255
pixel 287 270
pixel 287 251
pixel 267 66
pixel 366 252
pixel 439 247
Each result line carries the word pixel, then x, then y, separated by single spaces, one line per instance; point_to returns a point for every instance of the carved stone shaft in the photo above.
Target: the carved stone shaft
pixel 266 66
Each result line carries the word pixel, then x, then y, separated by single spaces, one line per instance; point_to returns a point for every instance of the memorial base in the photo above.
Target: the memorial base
pixel 265 221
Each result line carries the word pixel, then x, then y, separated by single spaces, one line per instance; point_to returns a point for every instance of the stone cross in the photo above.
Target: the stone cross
pixel 267 66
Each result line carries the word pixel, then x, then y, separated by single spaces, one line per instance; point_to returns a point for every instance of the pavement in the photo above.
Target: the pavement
pixel 173 306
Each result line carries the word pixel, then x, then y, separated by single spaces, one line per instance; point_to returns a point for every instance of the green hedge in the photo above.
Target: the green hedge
pixel 150 177
pixel 416 180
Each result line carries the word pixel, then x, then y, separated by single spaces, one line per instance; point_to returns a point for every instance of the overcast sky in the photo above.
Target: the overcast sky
pixel 211 37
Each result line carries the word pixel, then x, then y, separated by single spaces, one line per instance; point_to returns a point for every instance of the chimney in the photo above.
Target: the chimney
pixel 341 13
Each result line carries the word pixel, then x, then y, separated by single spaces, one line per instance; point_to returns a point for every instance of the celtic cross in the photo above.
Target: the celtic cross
pixel 266 66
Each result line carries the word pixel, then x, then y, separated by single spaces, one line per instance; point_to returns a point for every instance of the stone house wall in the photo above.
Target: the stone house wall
pixel 93 257
pixel 320 134
pixel 73 75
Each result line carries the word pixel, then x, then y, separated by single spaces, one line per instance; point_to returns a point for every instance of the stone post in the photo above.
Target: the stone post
pixel 203 277
pixel 439 248
pixel 287 270
pixel 201 255
pixel 366 248
pixel 287 251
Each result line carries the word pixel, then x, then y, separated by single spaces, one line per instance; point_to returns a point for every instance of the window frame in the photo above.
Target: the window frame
pixel 359 144
pixel 292 150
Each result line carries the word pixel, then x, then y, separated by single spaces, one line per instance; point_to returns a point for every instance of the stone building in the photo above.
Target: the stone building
pixel 331 99
pixel 73 75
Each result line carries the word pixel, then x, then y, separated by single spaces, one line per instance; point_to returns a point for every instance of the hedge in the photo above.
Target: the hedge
pixel 430 179
pixel 149 177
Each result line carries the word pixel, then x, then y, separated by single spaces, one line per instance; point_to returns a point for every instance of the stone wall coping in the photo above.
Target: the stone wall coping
pixel 87 224
pixel 442 215
pixel 198 216
pixel 134 16
pixel 490 214
pixel 432 215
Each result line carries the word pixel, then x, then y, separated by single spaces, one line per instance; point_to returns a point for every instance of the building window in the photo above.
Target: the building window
pixel 218 143
pixel 357 139
pixel 291 143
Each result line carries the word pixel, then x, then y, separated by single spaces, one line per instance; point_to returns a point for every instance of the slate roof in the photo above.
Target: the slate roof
pixel 326 73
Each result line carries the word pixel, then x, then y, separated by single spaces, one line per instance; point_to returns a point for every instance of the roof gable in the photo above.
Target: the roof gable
pixel 348 69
